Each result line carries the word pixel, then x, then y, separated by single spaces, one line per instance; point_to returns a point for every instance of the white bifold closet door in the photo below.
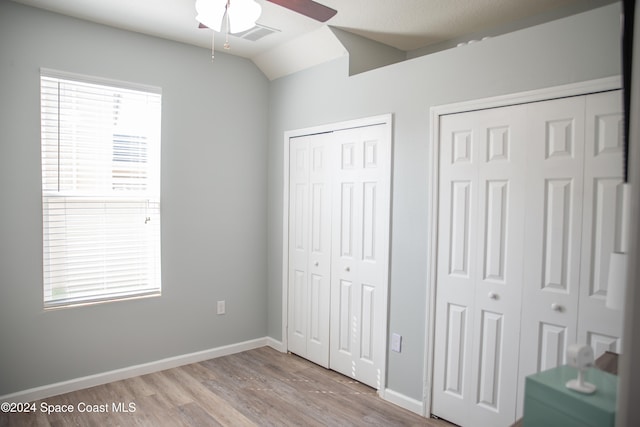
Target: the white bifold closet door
pixel 339 213
pixel 360 255
pixel 310 186
pixel 551 281
pixel 480 246
pixel 575 196
pixel 605 226
pixel 530 209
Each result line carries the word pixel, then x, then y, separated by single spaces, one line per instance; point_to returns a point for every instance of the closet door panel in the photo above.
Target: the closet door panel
pixel 320 182
pixel 361 252
pixel 604 227
pixel 456 267
pixel 310 247
pixel 489 359
pixel 480 266
pixel 501 211
pixel 455 353
pixel 552 346
pixel 345 290
pixel 298 246
pixel 552 235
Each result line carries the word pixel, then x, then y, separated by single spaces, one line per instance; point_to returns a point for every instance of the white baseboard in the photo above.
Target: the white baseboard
pixel 403 401
pixel 276 345
pixel 76 384
pixel 50 390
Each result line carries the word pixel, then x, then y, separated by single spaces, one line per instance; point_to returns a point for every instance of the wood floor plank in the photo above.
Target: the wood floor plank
pixel 163 385
pixel 195 416
pixel 260 387
pixel 222 411
pixel 25 419
pixel 155 410
pixel 138 387
pixel 240 391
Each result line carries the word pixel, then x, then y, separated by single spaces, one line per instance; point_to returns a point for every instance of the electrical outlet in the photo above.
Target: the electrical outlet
pixel 222 309
pixel 396 343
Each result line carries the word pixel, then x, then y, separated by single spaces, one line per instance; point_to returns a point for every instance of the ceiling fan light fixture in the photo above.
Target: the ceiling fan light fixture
pixel 241 14
pixel 236 16
pixel 210 13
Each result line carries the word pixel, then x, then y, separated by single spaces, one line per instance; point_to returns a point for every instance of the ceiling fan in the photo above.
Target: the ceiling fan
pixel 211 13
pixel 236 16
pixel 309 8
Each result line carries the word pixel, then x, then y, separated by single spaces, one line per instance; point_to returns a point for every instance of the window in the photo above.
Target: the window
pixel 100 189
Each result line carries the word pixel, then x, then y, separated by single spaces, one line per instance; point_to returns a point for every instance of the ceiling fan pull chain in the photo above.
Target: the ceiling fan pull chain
pixel 227 46
pixel 213 39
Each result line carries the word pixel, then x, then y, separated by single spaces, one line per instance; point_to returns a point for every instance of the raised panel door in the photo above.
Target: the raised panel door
pixel 360 253
pixel 553 234
pixel 310 247
pixel 481 213
pixel 604 228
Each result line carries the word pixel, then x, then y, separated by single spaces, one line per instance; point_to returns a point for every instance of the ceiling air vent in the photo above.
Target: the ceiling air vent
pixel 256 33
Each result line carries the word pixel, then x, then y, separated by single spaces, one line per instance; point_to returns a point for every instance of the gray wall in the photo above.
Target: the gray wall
pixel 573 49
pixel 214 127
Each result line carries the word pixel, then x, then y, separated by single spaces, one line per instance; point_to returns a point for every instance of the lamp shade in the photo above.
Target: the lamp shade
pixel 210 13
pixel 243 14
pixel 617 283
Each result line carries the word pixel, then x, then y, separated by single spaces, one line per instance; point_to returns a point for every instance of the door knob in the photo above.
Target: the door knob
pixel 347 269
pixel 316 263
pixel 493 295
pixel 557 307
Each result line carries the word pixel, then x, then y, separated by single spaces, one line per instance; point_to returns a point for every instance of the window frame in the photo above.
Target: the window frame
pixel 130 194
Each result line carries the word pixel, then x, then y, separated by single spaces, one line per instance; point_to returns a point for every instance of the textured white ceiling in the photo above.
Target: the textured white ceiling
pixel 404 24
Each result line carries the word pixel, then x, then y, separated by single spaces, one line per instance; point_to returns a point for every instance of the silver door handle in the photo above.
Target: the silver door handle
pixel 316 263
pixel 493 295
pixel 347 269
pixel 557 307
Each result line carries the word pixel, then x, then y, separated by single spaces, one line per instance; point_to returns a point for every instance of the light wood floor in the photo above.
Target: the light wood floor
pixel 260 387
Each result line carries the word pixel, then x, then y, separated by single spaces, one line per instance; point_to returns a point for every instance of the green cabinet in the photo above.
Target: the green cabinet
pixel 549 403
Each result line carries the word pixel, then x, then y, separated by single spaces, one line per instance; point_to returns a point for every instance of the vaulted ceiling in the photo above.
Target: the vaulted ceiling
pixel 290 41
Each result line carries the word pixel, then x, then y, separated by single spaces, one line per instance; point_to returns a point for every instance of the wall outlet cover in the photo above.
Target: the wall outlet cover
pixel 396 343
pixel 221 307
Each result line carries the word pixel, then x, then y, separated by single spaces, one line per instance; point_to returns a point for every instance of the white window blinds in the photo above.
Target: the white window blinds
pixel 100 190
